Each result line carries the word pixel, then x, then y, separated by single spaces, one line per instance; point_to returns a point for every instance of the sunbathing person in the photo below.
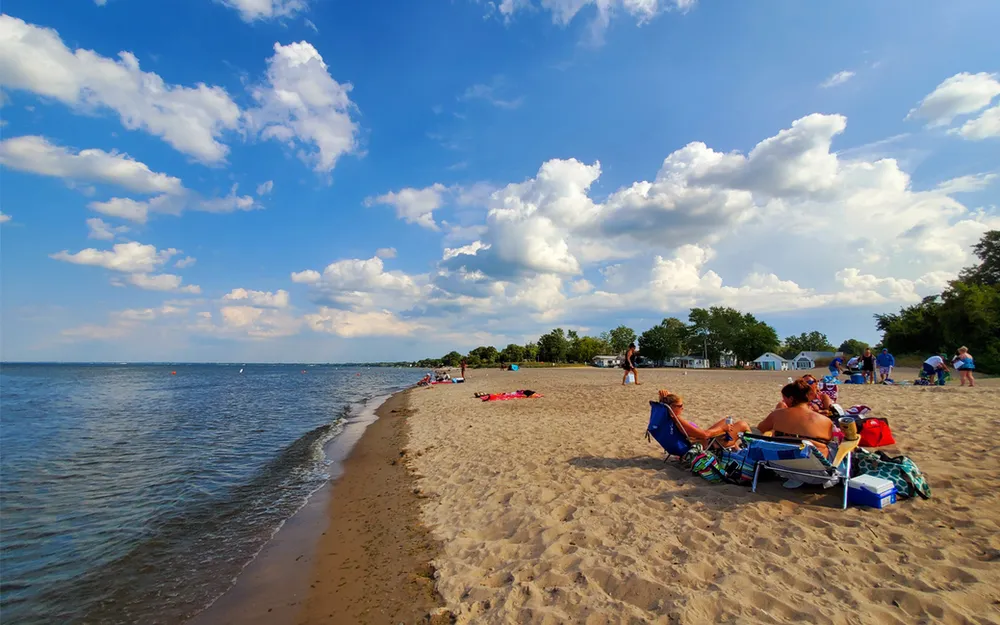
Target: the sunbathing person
pixel 698 435
pixel 799 419
pixel 820 402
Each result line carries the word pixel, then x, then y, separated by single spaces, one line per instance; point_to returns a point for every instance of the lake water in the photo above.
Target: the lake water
pixel 137 493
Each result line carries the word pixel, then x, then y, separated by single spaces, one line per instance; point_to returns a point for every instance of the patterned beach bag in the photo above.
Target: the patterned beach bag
pixel 900 470
pixel 704 464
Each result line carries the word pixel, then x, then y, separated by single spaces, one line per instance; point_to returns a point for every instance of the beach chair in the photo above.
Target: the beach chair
pixel 795 459
pixel 671 433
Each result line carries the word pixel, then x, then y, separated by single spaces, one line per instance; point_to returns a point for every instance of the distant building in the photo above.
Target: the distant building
pixel 689 362
pixel 807 360
pixel 605 362
pixel 769 361
pixel 727 359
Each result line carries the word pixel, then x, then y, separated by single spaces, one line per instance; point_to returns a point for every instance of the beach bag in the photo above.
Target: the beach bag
pixel 899 470
pixel 875 432
pixel 703 464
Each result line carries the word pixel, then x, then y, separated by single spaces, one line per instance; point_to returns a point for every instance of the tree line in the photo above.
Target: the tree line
pixel 712 333
pixel 966 313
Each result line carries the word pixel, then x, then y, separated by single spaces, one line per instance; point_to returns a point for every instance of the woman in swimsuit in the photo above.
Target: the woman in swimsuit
pixel 820 402
pixel 799 419
pixel 629 366
pixel 868 366
pixel 698 435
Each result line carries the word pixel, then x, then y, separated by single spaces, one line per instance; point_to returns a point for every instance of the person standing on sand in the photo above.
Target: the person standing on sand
pixel 463 368
pixel 965 365
pixel 885 363
pixel 629 365
pixel 868 366
pixel 836 366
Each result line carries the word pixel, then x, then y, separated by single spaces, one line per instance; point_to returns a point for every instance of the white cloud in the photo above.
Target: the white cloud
pixel 986 126
pixel 101 230
pixel 265 188
pixel 259 323
pixel 263 299
pixel 185 262
pixel 837 79
pixel 191 119
pixel 302 106
pixel 488 93
pixel 123 323
pixel 252 10
pixel 351 324
pixel 36 155
pixel 563 11
pixel 138 210
pixel 961 94
pixel 415 206
pixel 161 282
pixel 131 257
pixel 4 218
pixel 386 252
pixel 967 184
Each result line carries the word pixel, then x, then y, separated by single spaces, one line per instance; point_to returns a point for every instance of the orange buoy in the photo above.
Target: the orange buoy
pixel 173 373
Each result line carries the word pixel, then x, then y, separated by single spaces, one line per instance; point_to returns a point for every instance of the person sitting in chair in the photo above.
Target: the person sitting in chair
pixel 730 431
pixel 798 419
pixel 820 402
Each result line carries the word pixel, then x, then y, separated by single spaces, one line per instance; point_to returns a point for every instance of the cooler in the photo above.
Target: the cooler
pixel 871 491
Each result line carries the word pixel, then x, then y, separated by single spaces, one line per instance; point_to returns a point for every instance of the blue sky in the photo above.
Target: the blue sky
pixel 322 180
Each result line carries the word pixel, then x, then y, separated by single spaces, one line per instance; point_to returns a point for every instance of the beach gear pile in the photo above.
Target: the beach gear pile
pixel 506 396
pixel 798 460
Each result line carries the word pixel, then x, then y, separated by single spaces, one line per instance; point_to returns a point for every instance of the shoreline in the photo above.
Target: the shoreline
pixel 356 551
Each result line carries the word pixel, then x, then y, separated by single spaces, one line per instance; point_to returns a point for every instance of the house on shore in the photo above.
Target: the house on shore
pixel 807 360
pixel 689 362
pixel 605 362
pixel 769 361
pixel 727 360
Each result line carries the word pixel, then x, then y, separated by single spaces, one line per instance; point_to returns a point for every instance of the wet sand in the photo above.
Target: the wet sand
pixel 357 553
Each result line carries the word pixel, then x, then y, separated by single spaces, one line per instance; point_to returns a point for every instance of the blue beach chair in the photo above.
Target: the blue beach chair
pixel 793 459
pixel 667 430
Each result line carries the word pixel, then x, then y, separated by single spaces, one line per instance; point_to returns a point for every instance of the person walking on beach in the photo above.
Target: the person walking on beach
pixel 885 363
pixel 463 368
pixel 629 366
pixel 868 366
pixel 965 366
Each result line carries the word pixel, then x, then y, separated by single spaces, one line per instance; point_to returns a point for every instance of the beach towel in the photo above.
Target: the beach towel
pixel 514 395
pixel 899 470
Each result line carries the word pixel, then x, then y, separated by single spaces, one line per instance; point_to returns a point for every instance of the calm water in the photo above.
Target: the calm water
pixel 130 495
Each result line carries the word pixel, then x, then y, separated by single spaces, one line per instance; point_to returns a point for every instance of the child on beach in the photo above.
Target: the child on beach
pixel 965 366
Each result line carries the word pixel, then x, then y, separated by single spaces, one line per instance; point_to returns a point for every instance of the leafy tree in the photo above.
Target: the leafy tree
pixel 620 338
pixel 811 342
pixel 531 351
pixel 589 346
pixel 720 329
pixel 452 359
pixel 966 313
pixel 486 354
pixel 854 347
pixel 553 347
pixel 665 340
pixel 512 353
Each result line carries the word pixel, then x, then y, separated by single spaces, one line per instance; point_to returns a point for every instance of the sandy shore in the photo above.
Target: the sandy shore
pixel 357 553
pixel 557 510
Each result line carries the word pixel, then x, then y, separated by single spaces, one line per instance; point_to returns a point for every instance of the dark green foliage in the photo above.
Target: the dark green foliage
pixel 806 342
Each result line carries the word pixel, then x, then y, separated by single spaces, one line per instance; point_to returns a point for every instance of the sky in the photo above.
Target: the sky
pixel 330 181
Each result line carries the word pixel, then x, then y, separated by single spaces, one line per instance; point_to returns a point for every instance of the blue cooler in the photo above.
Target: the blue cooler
pixel 871 491
pixel 857 378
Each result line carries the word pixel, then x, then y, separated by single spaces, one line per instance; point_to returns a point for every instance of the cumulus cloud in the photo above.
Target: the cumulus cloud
pixel 123 323
pixel 350 324
pixel 960 94
pixel 259 323
pixel 103 231
pixel 563 11
pixel 253 10
pixel 265 188
pixel 138 211
pixel 263 299
pixel 303 107
pixel 131 257
pixel 37 155
pixel 4 218
pixel 356 283
pixel 185 262
pixel 162 282
pixel 191 119
pixel 386 253
pixel 415 206
pixel 837 79
pixel 985 126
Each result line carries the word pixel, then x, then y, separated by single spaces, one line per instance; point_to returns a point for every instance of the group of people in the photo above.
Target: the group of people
pixel 803 412
pixel 962 361
pixel 866 364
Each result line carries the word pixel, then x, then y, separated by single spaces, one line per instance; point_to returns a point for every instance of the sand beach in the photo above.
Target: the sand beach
pixel 558 510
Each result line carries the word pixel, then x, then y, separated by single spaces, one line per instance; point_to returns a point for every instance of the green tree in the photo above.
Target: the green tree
pixel 664 340
pixel 452 359
pixel 806 342
pixel 553 347
pixel 588 347
pixel 987 273
pixel 853 347
pixel 512 353
pixel 531 352
pixel 620 338
pixel 721 329
pixel 487 354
